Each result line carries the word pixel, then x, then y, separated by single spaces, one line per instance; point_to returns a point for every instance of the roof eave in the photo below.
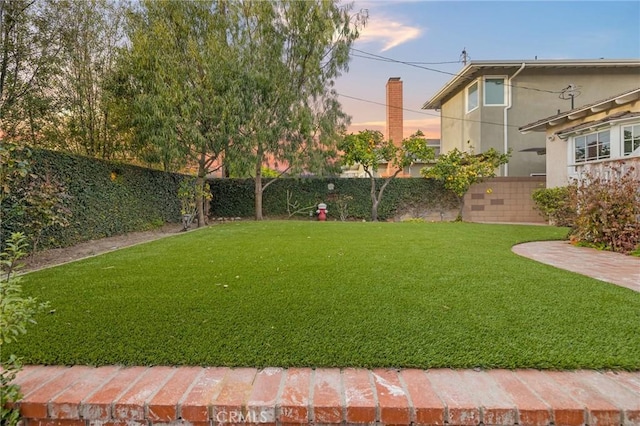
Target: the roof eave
pixel 621 99
pixel 436 100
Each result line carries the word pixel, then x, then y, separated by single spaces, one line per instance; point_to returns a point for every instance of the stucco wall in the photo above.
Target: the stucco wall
pixel 559 156
pixel 528 106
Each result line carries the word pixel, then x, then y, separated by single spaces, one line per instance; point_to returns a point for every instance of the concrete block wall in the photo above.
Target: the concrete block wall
pixel 503 199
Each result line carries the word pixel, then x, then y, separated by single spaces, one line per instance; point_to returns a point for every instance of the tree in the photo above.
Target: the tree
pixel 29 58
pixel 458 170
pixel 182 77
pixel 369 149
pixel 291 53
pixel 90 38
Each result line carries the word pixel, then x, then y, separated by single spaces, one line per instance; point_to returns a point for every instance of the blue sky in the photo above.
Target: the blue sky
pixel 437 31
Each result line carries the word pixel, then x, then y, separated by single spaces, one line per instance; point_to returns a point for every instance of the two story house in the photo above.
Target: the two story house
pixel 485 104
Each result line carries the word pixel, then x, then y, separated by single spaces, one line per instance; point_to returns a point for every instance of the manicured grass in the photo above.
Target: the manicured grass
pixel 333 294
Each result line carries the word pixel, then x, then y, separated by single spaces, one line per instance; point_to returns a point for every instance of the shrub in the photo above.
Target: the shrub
pixel 16 312
pixel 103 198
pixel 557 205
pixel 608 212
pixel 347 198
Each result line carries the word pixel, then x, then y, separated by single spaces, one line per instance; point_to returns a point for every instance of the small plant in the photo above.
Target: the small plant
pixel 343 206
pixel 557 205
pixel 293 207
pixel 44 203
pixel 29 202
pixel 188 193
pixel 187 196
pixel 16 312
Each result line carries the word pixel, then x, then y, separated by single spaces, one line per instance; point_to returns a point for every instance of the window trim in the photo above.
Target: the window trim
pixel 504 91
pixel 622 140
pixel 466 96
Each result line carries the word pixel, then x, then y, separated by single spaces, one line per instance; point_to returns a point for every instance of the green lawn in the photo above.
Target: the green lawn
pixel 332 294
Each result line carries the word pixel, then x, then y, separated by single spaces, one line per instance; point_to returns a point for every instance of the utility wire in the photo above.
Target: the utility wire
pixel 373 56
pixel 411 63
pixel 424 112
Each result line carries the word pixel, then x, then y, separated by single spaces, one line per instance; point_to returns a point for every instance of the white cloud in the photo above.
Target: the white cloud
pixel 389 32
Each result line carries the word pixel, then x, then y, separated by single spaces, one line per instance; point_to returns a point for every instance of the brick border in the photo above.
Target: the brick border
pixel 105 396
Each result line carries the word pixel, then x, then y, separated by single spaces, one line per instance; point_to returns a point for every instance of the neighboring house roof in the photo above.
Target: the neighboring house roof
pixel 471 71
pixel 595 107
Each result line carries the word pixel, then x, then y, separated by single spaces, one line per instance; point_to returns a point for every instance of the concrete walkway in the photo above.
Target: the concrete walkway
pixel 606 266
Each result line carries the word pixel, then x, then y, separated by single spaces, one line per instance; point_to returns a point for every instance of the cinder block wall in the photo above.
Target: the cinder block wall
pixel 503 199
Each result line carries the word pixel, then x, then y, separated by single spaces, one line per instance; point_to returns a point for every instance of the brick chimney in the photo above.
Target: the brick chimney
pixel 395 123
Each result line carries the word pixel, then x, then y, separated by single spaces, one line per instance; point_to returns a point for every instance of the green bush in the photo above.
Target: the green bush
pixel 16 313
pixel 234 197
pixel 104 198
pixel 557 205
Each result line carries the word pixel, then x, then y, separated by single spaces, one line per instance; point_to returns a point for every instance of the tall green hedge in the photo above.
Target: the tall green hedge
pixel 234 197
pixel 105 198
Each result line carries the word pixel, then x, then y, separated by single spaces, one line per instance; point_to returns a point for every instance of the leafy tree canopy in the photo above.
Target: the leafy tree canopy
pixel 369 149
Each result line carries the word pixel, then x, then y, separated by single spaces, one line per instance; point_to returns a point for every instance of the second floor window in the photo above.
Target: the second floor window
pixel 494 91
pixel 472 97
pixel 592 147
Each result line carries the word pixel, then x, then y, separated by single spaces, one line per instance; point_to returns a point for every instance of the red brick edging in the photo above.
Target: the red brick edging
pixel 79 395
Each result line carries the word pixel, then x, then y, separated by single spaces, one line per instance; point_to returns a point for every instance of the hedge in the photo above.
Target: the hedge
pixel 105 198
pixel 108 198
pixel 234 197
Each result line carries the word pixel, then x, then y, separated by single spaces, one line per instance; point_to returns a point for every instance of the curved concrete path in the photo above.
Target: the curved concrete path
pixel 602 265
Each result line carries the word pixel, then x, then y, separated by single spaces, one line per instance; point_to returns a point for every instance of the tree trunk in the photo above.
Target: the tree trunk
pixel 258 195
pixel 374 200
pixel 258 185
pixel 200 200
pixel 461 204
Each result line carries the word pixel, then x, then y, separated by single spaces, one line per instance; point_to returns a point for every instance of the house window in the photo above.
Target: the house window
pixel 472 97
pixel 592 147
pixel 494 91
pixel 631 139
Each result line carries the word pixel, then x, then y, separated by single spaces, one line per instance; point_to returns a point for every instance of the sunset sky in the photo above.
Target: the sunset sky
pixel 432 34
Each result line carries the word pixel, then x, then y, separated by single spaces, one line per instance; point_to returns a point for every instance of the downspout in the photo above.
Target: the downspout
pixel 505 119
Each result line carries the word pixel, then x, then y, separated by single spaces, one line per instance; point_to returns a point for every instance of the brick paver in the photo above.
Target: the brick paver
pixel 197 396
pixel 603 265
pixel 86 396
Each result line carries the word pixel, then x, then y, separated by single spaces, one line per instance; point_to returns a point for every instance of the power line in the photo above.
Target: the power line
pixel 379 57
pixel 424 112
pixel 373 56
pixel 412 63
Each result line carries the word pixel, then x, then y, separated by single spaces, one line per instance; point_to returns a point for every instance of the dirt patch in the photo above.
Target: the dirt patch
pixel 89 248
